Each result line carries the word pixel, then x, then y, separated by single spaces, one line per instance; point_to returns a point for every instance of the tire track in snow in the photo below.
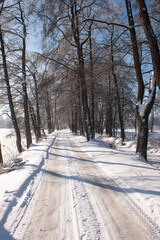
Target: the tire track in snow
pixel 120 214
pixel 98 220
pixel 88 226
pixel 24 199
pixel 118 183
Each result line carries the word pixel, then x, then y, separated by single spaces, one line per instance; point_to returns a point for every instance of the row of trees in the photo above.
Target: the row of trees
pixel 95 72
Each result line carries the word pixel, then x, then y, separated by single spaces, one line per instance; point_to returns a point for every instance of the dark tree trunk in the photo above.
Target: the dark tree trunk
pixel 72 120
pixel 152 40
pixel 110 114
pixel 80 117
pixel 75 117
pixel 37 108
pixel 135 126
pixel 152 120
pixel 74 108
pixel 83 86
pixel 48 111
pixel 119 108
pixel 118 100
pixel 109 121
pixel 34 121
pixel 55 116
pixel 26 116
pixel 84 98
pixel 136 58
pixel 142 138
pixel 92 86
pixel 9 94
pixel 101 123
pixel 24 85
pixel 109 110
pixel 1 157
pixel 114 127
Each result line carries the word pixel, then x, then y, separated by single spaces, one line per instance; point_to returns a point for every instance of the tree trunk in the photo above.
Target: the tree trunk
pixel 37 108
pixel 135 126
pixel 80 117
pixel 136 58
pixel 74 108
pixel 34 121
pixel 9 94
pixel 118 100
pixel 1 157
pixel 109 112
pixel 119 108
pixel 152 120
pixel 26 116
pixel 74 119
pixel 142 138
pixel 92 87
pixel 84 97
pixel 101 122
pixel 48 111
pixel 152 40
pixel 55 116
pixel 24 85
pixel 83 86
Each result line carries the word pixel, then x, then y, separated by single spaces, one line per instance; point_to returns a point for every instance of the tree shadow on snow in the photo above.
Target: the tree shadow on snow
pixel 20 192
pixel 102 162
pixel 101 183
pixel 5 235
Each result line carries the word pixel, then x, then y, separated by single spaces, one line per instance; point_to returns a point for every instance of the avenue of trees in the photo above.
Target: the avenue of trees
pixel 97 70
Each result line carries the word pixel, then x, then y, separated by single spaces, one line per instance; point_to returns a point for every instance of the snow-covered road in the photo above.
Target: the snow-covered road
pixel 86 192
pixel 77 200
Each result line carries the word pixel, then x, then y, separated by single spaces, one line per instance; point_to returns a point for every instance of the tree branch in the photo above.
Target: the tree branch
pixel 52 59
pixel 105 22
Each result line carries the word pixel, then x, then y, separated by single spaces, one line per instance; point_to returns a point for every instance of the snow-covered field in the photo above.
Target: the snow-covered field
pixel 93 169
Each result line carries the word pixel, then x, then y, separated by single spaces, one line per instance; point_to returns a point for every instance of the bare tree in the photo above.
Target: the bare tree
pixel 9 94
pixel 117 90
pixel 24 84
pixel 33 70
pixel 92 85
pixel 142 116
pixel 67 22
pixel 151 37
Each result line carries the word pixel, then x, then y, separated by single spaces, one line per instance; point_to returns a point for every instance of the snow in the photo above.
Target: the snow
pixel 136 179
pixel 142 107
pixel 8 142
pixel 18 187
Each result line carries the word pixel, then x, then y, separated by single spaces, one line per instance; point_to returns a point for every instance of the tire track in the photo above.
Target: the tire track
pixel 87 224
pixel 119 215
